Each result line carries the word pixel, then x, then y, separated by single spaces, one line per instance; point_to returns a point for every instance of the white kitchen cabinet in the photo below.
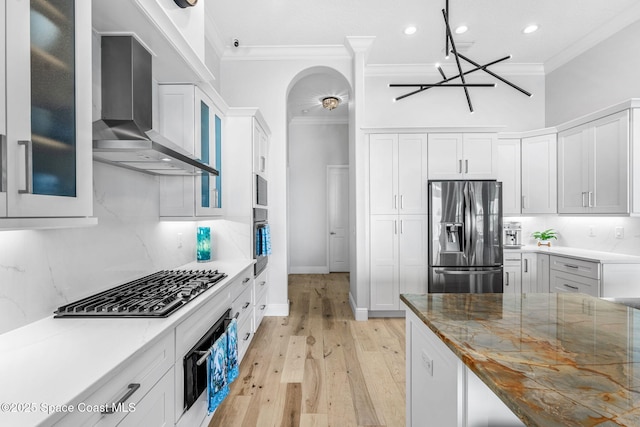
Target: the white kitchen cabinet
pixel 190 119
pixel 47 160
pixel 593 167
pixel 530 274
pixel 398 173
pixel 542 272
pixel 441 390
pixel 260 286
pixel 539 174
pixel 508 172
pixel 260 150
pixel 145 382
pixel 156 408
pixel 243 128
pixel 3 115
pixel 512 274
pixel 398 258
pixel 463 155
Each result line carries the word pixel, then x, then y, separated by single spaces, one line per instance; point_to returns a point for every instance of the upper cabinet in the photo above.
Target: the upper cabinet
pixel 190 119
pixel 398 173
pixel 508 172
pixel 463 156
pixel 539 174
pixel 46 157
pixel 260 149
pixel 593 167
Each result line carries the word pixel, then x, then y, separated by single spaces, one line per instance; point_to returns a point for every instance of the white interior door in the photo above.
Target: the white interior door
pixel 338 217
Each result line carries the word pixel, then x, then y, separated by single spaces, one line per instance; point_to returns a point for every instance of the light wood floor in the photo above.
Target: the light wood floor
pixel 319 367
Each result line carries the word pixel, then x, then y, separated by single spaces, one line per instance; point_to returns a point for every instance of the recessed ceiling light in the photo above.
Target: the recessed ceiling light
pixel 530 29
pixel 410 30
pixel 461 29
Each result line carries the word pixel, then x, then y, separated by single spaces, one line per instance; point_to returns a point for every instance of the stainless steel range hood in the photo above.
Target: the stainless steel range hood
pixel 124 136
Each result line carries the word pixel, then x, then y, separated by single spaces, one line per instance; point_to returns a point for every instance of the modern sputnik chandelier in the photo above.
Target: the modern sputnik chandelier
pixel 450 47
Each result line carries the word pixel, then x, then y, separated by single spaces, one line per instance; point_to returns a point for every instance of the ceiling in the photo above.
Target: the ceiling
pixel 566 28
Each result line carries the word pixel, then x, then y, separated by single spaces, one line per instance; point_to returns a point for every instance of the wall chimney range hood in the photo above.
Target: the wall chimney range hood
pixel 123 137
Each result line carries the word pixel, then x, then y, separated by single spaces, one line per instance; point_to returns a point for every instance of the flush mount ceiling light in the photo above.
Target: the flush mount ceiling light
pixel 461 29
pixel 409 31
pixel 450 46
pixel 185 3
pixel 330 102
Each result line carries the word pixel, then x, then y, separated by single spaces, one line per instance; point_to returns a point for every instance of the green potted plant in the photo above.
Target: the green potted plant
pixel 545 236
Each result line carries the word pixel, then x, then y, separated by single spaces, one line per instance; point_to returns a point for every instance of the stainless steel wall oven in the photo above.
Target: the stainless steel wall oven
pixel 260 221
pixel 194 362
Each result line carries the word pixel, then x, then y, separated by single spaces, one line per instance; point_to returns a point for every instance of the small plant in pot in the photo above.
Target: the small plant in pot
pixel 545 236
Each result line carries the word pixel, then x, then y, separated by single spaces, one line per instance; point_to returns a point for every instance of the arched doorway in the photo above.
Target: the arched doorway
pixel 318 172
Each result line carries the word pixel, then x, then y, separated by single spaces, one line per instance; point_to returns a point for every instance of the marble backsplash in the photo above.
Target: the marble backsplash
pixel 43 269
pixel 585 232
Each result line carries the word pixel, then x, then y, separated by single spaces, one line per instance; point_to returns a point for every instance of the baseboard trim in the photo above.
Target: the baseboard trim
pixel 277 309
pixel 309 270
pixel 361 314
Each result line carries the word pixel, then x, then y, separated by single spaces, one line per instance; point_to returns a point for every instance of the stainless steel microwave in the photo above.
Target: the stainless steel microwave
pixel 261 191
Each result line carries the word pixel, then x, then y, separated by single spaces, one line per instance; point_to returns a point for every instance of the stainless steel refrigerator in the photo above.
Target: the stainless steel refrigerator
pixel 465 236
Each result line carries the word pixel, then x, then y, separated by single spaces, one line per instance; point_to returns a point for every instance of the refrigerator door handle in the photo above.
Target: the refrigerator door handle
pixel 466 242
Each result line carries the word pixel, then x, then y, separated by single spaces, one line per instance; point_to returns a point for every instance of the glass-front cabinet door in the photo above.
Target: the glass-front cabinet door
pixel 48 98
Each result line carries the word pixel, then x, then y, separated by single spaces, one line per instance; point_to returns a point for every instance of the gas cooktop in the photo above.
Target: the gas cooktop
pixel 156 295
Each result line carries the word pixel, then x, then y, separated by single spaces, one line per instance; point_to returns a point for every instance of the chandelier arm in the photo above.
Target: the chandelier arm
pixel 442 72
pixel 491 73
pixel 455 54
pixel 428 85
pixel 446 37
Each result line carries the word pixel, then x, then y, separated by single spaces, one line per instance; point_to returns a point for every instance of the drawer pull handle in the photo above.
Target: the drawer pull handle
pixel 246 337
pixel 246 304
pixel 132 389
pixel 246 280
pixel 263 283
pixel 237 315
pixel 571 266
pixel 263 306
pixel 575 288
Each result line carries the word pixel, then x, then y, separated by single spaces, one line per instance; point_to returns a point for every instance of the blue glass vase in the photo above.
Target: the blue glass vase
pixel 203 247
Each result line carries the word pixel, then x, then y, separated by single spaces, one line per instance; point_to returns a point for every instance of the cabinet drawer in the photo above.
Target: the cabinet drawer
pixel 261 307
pixel 245 334
pixel 243 305
pixel 576 266
pixel 145 370
pixel 242 282
pixel 260 285
pixel 563 282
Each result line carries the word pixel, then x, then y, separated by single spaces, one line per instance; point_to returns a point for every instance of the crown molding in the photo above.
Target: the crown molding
pixel 274 53
pixel 594 37
pixel 395 70
pixel 319 120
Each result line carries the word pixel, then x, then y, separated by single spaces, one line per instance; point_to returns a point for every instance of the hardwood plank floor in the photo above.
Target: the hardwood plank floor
pixel 318 366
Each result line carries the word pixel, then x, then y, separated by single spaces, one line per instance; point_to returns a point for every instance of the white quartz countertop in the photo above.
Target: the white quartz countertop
pixel 584 254
pixel 55 361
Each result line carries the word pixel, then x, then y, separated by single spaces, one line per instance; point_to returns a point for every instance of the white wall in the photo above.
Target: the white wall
pixel 264 84
pixel 43 269
pixel 501 106
pixel 575 231
pixel 602 76
pixel 312 147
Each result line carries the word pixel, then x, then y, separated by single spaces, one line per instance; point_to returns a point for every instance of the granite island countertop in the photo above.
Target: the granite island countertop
pixel 553 359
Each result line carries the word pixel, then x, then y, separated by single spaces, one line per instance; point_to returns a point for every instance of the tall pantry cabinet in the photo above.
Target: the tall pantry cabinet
pixel 398 218
pixel 46 157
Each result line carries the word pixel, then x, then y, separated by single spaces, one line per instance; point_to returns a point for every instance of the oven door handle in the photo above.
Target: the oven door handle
pixel 204 356
pixel 466 272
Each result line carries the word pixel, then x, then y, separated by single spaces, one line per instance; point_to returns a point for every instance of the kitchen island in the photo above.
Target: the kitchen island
pixel 538 359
